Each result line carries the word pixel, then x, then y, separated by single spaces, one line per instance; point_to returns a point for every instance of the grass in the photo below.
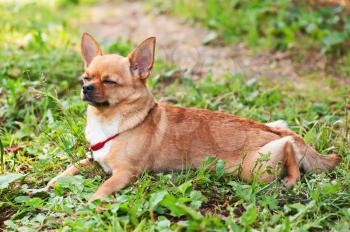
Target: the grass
pixel 42 122
pixel 299 27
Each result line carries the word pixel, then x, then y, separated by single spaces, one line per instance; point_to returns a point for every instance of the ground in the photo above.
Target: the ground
pixel 42 122
pixel 183 45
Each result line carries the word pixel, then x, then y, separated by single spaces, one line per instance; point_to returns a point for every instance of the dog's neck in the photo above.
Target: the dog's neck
pixel 105 122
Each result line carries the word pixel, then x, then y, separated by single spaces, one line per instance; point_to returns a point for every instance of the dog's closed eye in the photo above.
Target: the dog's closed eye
pixel 106 80
pixel 109 82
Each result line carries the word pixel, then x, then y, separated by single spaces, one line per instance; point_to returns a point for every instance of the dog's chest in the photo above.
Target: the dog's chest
pixel 96 132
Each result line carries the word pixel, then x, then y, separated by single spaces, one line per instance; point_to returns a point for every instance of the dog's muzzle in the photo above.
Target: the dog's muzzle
pixel 89 96
pixel 88 89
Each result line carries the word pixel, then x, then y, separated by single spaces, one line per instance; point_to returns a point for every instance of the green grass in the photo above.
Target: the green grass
pixel 301 28
pixel 42 115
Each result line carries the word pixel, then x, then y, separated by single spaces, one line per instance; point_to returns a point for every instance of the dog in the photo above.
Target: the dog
pixel 129 131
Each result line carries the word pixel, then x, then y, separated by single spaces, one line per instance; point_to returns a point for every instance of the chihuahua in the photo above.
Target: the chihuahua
pixel 130 132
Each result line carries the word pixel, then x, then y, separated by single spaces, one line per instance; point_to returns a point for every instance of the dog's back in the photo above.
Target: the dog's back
pixel 185 137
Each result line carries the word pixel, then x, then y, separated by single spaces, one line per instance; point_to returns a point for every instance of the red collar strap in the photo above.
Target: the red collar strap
pixel 100 145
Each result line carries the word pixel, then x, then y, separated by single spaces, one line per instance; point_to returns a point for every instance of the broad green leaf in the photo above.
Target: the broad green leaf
pixel 329 189
pixel 7 179
pixel 71 182
pixel 182 188
pixel 220 168
pixel 249 216
pixel 190 212
pixel 319 108
pixel 157 197
pixel 169 202
pixel 197 199
pixel 22 199
pixel 163 222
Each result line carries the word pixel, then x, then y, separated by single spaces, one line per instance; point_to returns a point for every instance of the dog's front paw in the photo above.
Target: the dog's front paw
pixel 95 197
pixel 99 196
pixel 52 182
pixel 289 182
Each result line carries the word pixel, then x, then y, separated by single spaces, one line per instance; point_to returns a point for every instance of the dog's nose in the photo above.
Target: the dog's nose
pixel 88 89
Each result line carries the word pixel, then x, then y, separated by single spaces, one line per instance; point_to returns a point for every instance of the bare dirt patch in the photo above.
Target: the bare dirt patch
pixel 182 44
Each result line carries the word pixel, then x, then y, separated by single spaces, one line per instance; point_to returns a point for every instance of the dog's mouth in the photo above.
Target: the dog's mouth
pixel 95 103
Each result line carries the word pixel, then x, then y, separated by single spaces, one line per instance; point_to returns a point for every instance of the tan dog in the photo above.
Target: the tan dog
pixel 130 132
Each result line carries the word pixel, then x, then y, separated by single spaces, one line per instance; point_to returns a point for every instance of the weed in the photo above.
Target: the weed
pixel 281 25
pixel 42 122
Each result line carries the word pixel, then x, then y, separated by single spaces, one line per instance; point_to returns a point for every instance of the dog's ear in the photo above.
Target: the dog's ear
pixel 142 58
pixel 89 48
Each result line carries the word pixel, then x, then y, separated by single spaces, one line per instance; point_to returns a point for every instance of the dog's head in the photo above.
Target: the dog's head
pixel 111 79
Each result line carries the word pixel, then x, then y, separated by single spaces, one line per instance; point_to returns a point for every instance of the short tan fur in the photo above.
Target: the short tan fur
pixel 158 136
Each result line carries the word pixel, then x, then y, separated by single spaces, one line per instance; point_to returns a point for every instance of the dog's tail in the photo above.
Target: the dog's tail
pixel 311 161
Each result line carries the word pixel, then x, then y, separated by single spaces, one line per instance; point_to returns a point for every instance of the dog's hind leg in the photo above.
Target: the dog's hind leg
pixel 278 124
pixel 264 164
